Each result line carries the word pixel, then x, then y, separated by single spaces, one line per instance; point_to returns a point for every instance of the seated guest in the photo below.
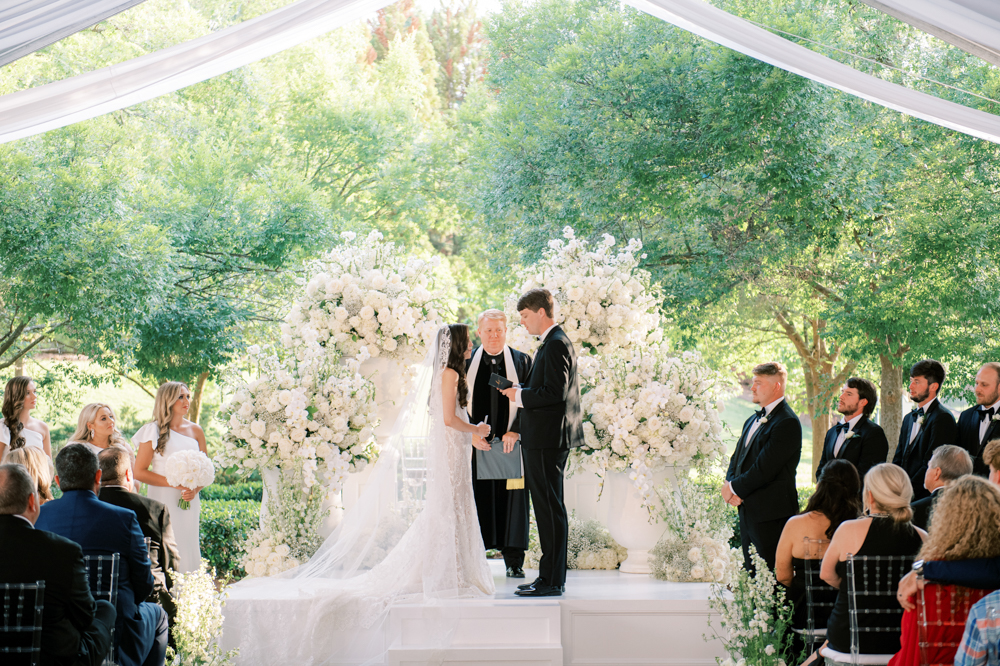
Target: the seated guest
pixel 154 521
pixel 979 628
pixel 855 438
pixel 76 631
pixel 837 498
pixel 39 466
pixel 947 463
pixel 885 530
pixel 966 525
pixel 101 528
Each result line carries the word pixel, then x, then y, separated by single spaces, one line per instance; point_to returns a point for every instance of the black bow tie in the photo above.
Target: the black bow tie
pixel 917 413
pixel 985 413
pixel 842 427
pixel 761 413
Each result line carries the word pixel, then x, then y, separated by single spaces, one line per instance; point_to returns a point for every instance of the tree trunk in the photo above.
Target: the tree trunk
pixel 19 367
pixel 891 400
pixel 199 388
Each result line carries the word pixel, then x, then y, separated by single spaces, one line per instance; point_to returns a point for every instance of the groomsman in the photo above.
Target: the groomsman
pixel 855 438
pixel 502 504
pixel 980 424
pixel 927 427
pixel 761 476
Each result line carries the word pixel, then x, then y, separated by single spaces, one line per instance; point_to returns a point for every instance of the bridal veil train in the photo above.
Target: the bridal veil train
pixel 412 537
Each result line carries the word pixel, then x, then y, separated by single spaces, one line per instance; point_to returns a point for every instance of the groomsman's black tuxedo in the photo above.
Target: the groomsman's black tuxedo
pixel 154 521
pixel 763 476
pixel 867 448
pixel 938 428
pixel 503 513
pixel 75 630
pixel 968 437
pixel 551 424
pixel 922 509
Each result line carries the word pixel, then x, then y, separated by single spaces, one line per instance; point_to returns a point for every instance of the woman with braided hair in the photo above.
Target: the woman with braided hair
pixel 168 433
pixel 18 428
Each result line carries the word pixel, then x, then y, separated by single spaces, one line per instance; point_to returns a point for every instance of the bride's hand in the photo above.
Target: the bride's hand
pixel 480 444
pixel 483 430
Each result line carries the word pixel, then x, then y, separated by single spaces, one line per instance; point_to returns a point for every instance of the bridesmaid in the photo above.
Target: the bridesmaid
pixel 97 430
pixel 18 428
pixel 168 433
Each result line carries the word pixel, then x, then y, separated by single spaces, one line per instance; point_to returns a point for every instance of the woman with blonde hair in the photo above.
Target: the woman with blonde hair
pixel 18 428
pixel 168 433
pixel 965 527
pixel 96 428
pixel 885 529
pixel 39 466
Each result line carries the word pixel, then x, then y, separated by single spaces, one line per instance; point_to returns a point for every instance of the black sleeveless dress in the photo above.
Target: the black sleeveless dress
pixel 885 537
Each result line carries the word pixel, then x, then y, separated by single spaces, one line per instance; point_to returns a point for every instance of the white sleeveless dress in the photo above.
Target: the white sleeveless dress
pixel 186 522
pixel 31 438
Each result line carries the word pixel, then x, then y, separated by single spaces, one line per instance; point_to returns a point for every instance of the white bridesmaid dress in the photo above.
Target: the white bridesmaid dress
pixel 31 438
pixel 186 522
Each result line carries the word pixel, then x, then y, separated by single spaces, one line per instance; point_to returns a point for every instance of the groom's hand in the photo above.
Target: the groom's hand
pixel 509 440
pixel 510 393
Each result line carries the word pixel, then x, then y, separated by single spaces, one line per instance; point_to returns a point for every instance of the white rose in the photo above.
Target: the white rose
pixel 258 428
pixel 686 414
pixel 697 572
pixel 367 312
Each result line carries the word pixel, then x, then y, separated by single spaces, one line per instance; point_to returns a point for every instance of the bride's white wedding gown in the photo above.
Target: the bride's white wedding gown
pixel 326 615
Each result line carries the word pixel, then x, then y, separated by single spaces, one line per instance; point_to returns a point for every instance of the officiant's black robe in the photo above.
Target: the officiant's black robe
pixel 503 514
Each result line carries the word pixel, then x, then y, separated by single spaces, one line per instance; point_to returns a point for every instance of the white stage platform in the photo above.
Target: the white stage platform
pixel 605 618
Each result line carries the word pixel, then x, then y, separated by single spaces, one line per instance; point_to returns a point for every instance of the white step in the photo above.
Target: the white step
pixel 481 655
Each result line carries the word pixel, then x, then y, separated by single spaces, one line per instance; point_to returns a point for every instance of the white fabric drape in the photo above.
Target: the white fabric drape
pixel 971 25
pixel 58 104
pixel 733 32
pixel 36 110
pixel 28 25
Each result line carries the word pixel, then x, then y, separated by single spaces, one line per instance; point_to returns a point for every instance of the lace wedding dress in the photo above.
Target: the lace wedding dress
pixel 412 537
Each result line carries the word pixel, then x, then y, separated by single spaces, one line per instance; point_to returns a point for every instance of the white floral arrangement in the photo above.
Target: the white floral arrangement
pixel 755 616
pixel 589 545
pixel 267 555
pixel 644 408
pixel 364 295
pixel 695 548
pixel 314 415
pixel 603 299
pixel 189 469
pixel 198 623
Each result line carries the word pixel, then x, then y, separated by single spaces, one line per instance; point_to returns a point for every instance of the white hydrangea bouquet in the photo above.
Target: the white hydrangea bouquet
pixel 314 415
pixel 365 295
pixel 603 299
pixel 645 408
pixel 189 469
pixel 695 548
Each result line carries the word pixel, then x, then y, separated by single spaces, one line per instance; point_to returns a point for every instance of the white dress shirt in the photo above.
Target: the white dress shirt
pixel 915 428
pixel 755 426
pixel 842 437
pixel 984 424
pixel 30 524
pixel 541 338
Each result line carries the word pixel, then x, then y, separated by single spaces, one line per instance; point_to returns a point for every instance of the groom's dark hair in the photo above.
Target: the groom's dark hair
pixel 535 300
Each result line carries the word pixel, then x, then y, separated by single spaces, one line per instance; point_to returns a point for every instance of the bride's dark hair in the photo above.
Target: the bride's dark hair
pixel 456 359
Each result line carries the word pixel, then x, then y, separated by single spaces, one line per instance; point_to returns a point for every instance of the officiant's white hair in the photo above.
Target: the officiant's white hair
pixel 492 313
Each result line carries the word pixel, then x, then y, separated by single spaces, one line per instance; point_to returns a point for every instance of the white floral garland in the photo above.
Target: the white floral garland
pixel 603 299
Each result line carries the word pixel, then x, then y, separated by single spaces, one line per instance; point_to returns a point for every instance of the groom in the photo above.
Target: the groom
pixel 551 424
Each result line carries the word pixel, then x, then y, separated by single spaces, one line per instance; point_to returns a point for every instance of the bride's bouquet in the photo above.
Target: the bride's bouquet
pixel 190 469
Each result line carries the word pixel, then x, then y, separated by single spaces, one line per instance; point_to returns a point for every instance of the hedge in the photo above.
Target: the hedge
pixel 236 491
pixel 225 526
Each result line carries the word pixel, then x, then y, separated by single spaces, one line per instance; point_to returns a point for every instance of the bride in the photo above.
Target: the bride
pixel 412 537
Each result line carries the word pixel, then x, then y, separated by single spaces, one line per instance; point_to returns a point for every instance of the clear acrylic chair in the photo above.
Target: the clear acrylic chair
pixel 941 614
pixel 873 611
pixel 21 631
pixel 820 597
pixel 990 630
pixel 102 577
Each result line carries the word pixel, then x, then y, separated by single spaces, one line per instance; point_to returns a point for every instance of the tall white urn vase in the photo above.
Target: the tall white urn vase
pixel 391 379
pixel 631 524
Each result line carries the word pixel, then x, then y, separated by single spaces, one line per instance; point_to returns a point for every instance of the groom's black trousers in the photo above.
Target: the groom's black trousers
pixel 543 478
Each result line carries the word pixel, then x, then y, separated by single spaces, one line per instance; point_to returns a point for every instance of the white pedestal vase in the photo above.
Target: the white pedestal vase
pixel 333 507
pixel 390 378
pixel 629 523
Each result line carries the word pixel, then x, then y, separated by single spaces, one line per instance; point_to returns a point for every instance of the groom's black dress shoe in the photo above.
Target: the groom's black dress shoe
pixel 515 572
pixel 528 586
pixel 545 590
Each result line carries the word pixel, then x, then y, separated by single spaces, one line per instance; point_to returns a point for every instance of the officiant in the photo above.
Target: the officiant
pixel 502 505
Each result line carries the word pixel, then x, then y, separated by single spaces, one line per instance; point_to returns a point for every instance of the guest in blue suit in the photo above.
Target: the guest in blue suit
pixel 100 529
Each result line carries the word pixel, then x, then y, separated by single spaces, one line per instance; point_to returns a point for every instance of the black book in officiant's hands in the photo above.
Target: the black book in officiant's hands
pixel 499 382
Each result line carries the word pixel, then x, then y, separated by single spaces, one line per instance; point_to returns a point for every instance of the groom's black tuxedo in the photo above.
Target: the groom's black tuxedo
pixel 937 429
pixel 762 474
pixel 551 424
pixel 865 449
pixel 968 438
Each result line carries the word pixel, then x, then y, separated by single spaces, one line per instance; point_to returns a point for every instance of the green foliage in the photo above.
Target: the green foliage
pixel 237 491
pixel 225 526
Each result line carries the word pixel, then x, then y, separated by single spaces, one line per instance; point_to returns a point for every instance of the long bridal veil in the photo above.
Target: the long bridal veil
pixel 402 542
